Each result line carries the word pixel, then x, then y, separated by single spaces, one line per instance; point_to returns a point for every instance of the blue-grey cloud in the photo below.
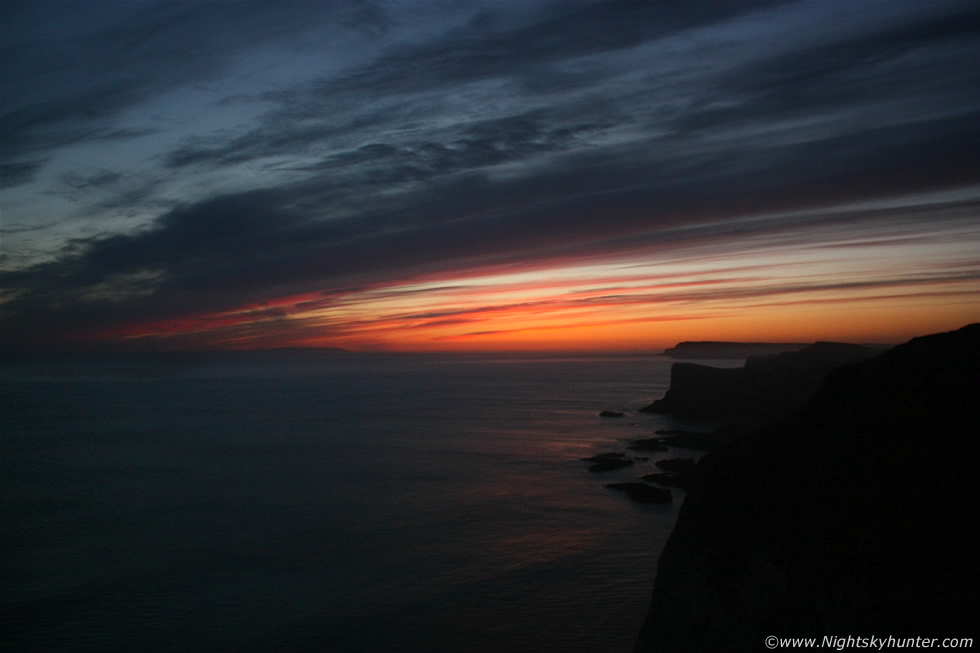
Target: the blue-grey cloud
pixel 71 68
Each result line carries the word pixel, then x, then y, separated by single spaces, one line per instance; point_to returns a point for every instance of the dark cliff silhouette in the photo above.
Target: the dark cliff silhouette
pixel 853 516
pixel 709 349
pixel 766 388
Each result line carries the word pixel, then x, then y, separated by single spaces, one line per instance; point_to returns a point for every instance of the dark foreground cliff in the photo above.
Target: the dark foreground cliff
pixel 853 516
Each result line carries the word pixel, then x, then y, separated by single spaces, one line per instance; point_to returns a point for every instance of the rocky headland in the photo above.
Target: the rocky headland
pixel 851 515
pixel 765 389
pixel 713 350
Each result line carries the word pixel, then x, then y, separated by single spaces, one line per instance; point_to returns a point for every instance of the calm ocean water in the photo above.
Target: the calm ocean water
pixel 338 502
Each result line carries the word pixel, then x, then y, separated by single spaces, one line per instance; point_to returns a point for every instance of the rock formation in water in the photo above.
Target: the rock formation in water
pixel 606 462
pixel 763 390
pixel 853 516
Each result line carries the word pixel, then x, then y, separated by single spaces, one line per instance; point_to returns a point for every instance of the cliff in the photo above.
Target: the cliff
pixel 853 516
pixel 763 390
pixel 710 349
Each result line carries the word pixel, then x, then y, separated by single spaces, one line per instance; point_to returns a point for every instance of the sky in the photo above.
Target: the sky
pixel 499 175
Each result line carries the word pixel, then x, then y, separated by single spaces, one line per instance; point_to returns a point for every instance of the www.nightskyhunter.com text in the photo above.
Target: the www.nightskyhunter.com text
pixel 873 643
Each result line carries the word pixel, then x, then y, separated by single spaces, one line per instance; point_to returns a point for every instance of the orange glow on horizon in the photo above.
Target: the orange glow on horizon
pixel 595 312
pixel 831 282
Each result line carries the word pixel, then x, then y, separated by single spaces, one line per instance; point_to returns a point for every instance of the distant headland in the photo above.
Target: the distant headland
pixel 718 350
pixel 766 388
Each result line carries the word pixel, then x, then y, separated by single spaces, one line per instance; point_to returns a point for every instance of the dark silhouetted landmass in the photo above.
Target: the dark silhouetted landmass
pixel 707 349
pixel 677 472
pixel 697 440
pixel 764 389
pixel 853 516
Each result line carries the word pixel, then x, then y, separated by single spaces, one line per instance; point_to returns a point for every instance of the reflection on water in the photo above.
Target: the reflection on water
pixel 342 501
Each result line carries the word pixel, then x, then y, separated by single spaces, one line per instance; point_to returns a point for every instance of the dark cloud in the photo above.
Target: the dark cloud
pixel 482 49
pixel 71 68
pixel 97 180
pixel 17 172
pixel 423 74
pixel 890 73
pixel 862 77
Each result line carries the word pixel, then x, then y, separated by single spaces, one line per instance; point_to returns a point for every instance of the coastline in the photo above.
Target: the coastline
pixel 810 526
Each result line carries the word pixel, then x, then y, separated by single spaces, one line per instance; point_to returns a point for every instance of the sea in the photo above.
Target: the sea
pixel 326 501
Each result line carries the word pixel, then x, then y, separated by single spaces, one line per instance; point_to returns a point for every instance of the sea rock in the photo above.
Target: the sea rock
pixel 606 462
pixel 609 465
pixel 679 465
pixel 611 413
pixel 647 444
pixel 642 493
pixel 667 479
pixel 816 525
pixel 701 441
pixel 612 455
